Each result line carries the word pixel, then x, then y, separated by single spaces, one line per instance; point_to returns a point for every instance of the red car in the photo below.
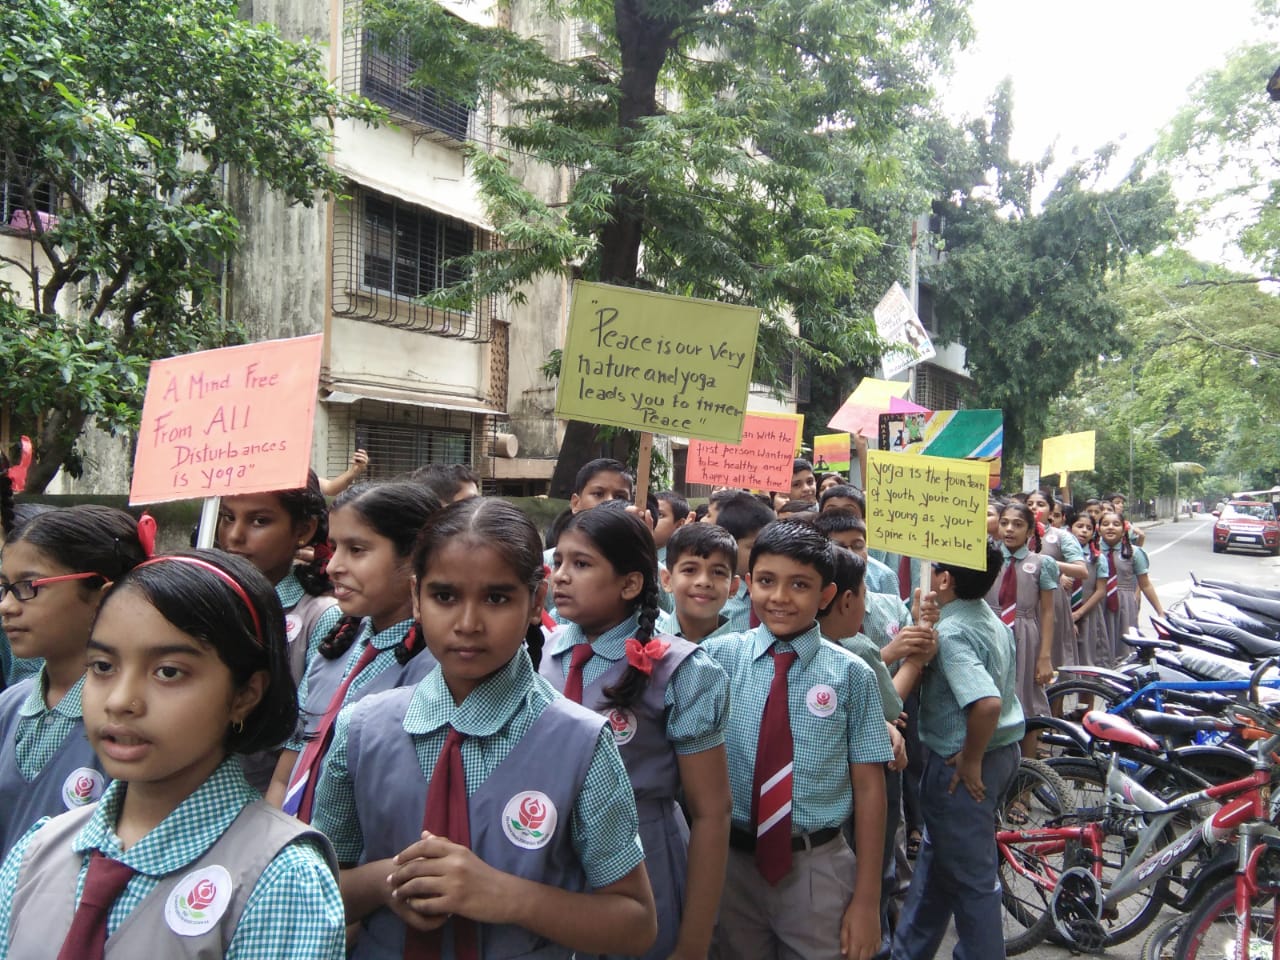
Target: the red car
pixel 1246 523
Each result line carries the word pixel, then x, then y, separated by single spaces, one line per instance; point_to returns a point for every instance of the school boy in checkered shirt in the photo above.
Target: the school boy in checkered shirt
pixel 806 743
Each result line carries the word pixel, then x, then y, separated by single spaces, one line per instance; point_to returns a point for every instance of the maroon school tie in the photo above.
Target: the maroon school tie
pixel 446 816
pixel 302 787
pixel 904 578
pixel 1008 598
pixel 1113 583
pixel 573 682
pixel 104 881
pixel 771 788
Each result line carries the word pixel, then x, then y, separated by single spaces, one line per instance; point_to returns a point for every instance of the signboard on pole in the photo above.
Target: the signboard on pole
pixel 928 507
pixel 657 363
pixel 900 327
pixel 230 421
pixel 1067 453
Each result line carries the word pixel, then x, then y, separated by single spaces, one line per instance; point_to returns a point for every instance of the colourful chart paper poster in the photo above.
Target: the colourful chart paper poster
pixel 762 461
pixel 958 434
pixel 222 422
pixel 657 363
pixel 928 507
pixel 832 452
pixel 861 410
pixel 1067 452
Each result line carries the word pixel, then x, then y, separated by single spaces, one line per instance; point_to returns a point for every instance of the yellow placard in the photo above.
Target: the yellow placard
pixel 1069 452
pixel 654 362
pixel 933 508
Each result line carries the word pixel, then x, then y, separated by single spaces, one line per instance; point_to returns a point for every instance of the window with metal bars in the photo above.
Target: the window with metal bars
pixel 15 180
pixel 385 75
pixel 397 449
pixel 407 250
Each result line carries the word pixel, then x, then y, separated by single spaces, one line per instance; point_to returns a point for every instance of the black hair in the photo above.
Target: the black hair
pixel 445 480
pixel 838 521
pixel 800 465
pixel 200 604
pixel 702 540
pixel 627 544
pixel 397 510
pixel 7 522
pixel 974 584
pixel 799 510
pixel 679 505
pixel 651 508
pixel 601 465
pixel 799 541
pixel 844 491
pixel 744 516
pixel 556 527
pixel 700 511
pixel 839 478
pixel 721 497
pixel 1033 531
pixel 303 505
pixel 1071 515
pixel 850 572
pixel 86 538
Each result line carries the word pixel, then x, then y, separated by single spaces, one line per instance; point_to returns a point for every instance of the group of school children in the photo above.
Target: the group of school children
pixel 394 726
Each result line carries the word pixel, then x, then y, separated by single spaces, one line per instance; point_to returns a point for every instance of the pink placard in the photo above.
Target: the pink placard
pixel 763 460
pixel 228 421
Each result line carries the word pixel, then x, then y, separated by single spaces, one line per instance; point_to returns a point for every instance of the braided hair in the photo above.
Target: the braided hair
pixel 6 499
pixel 624 541
pixel 303 505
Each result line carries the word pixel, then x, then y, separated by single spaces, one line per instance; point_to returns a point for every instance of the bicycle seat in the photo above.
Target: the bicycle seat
pixel 1134 639
pixel 1108 726
pixel 1172 724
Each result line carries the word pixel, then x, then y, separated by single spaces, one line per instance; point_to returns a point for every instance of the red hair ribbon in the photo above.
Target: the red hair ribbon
pixel 642 656
pixel 548 621
pixel 147 534
pixel 323 553
pixel 18 471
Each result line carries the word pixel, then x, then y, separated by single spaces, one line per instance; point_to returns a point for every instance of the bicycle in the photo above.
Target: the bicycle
pixel 1058 876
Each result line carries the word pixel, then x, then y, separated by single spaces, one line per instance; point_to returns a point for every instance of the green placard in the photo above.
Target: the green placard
pixel 651 361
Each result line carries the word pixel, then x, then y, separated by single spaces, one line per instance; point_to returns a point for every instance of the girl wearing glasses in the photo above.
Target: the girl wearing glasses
pixel 52 572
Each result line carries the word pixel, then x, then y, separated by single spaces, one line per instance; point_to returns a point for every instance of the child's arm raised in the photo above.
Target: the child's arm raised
pixel 705 779
pixel 435 878
pixel 860 925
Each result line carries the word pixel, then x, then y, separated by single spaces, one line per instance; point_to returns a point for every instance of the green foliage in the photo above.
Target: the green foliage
pixel 706 139
pixel 1030 292
pixel 131 112
pixel 1226 139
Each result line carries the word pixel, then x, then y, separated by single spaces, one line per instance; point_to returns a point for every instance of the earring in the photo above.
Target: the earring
pixel 238 726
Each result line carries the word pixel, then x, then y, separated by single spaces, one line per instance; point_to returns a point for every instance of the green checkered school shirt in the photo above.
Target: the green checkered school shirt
pixel 384 640
pixel 826 743
pixel 669 623
pixel 43 730
pixel 880 577
pixel 885 616
pixel 696 698
pixel 738 610
pixel 290 592
pixel 494 717
pixel 295 909
pixel 862 647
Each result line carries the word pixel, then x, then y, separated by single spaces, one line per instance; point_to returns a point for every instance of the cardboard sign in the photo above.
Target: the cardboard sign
pixel 832 452
pixel 657 363
pixel 222 422
pixel 958 434
pixel 928 507
pixel 762 461
pixel 860 412
pixel 899 326
pixel 1030 477
pixel 1067 452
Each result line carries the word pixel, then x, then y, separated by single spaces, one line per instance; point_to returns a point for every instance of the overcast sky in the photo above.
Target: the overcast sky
pixel 1087 72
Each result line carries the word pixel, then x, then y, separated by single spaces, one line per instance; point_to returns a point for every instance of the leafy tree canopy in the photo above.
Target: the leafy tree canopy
pixel 127 113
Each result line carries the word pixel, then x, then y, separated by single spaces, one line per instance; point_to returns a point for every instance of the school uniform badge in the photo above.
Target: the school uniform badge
pixel 1028 567
pixel 292 627
pixel 198 901
pixel 529 819
pixel 623 724
pixel 821 700
pixel 83 785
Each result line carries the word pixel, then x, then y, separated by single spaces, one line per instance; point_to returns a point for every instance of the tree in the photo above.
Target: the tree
pixel 1030 292
pixel 120 119
pixel 704 137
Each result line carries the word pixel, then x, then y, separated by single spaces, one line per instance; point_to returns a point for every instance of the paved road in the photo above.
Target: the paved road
pixel 1176 551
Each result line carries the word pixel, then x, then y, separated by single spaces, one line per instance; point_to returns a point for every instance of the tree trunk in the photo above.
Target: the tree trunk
pixel 52 449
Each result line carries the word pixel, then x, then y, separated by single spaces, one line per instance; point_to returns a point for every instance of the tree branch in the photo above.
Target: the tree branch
pixel 1228 283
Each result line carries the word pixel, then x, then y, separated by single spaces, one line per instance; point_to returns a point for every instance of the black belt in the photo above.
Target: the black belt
pixel 743 840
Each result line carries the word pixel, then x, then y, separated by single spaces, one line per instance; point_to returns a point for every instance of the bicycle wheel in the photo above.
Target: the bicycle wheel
pixel 1210 930
pixel 1071 699
pixel 1163 942
pixel 1087 785
pixel 1036 798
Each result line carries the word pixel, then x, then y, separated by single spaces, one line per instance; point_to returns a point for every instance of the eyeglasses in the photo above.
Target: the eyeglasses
pixel 25 590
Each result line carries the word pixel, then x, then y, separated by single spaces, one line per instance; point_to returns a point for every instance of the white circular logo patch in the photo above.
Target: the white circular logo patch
pixel 84 785
pixel 529 819
pixel 623 725
pixel 821 700
pixel 1028 567
pixel 198 901
pixel 292 627
pixel 1050 538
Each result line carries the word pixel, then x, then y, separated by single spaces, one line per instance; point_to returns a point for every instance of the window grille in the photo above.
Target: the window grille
pixel 15 179
pixel 387 253
pixel 400 438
